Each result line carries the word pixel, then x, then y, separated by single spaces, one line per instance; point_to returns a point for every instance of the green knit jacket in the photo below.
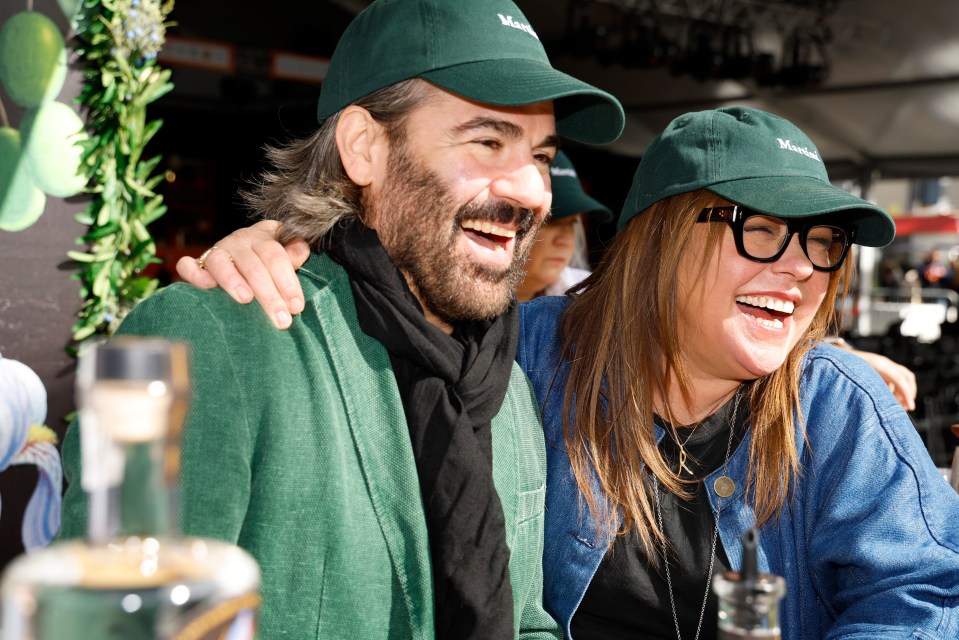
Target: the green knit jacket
pixel 296 449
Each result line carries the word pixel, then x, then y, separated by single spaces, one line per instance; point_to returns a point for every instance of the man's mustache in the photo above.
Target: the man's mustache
pixel 498 212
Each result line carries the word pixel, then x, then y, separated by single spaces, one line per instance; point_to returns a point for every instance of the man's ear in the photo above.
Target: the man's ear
pixel 362 143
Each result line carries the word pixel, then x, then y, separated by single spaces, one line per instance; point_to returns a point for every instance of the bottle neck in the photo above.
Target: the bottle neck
pixel 129 463
pixel 749 609
pixel 733 634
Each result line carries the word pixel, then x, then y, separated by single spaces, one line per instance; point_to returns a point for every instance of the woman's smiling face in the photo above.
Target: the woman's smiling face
pixel 739 319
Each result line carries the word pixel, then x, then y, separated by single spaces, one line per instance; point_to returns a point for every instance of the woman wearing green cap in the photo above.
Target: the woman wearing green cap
pixel 561 240
pixel 706 404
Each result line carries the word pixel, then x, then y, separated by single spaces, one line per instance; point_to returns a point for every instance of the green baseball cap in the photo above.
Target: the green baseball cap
pixel 568 195
pixel 754 159
pixel 485 51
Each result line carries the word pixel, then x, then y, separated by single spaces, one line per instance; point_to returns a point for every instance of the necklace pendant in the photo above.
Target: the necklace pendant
pixel 724 486
pixel 682 463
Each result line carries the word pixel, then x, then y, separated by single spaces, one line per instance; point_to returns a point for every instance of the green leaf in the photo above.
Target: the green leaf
pixel 105 213
pixel 101 232
pixel 150 130
pixel 80 257
pixel 141 287
pixel 101 283
pixel 154 181
pixel 84 332
pixel 138 188
pixel 147 166
pixel 142 250
pixel 158 93
pixel 155 214
pixel 140 231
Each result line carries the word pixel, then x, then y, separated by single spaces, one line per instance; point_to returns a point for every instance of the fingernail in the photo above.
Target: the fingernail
pixel 283 320
pixel 296 305
pixel 244 294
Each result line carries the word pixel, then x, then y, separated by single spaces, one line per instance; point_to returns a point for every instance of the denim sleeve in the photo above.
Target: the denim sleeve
pixel 881 525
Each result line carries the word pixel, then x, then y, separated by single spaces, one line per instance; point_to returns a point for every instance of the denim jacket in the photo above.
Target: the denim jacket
pixel 869 543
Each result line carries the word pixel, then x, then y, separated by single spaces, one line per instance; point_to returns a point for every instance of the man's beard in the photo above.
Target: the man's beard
pixel 419 230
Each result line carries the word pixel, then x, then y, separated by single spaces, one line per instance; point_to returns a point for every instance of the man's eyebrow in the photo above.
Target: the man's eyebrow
pixel 502 127
pixel 550 141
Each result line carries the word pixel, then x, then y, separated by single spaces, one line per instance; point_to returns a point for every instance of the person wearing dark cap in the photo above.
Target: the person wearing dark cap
pixel 706 404
pixel 383 459
pixel 549 268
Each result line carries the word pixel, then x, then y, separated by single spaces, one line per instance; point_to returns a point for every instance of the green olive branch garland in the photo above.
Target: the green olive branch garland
pixel 119 41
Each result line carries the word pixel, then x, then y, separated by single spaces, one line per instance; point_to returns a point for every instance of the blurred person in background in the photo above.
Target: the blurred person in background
pixel 559 258
pixel 935 270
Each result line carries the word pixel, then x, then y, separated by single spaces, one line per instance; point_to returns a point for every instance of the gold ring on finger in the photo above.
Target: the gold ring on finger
pixel 201 261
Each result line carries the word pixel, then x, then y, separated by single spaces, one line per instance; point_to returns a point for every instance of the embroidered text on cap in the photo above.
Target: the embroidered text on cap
pixel 509 22
pixel 786 144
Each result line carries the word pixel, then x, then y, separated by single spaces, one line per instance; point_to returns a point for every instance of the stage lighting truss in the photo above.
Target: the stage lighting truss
pixel 771 43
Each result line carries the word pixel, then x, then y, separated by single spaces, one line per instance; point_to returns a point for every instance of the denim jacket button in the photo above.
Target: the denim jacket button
pixel 724 486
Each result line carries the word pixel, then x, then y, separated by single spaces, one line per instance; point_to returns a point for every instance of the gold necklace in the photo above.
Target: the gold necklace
pixel 712 557
pixel 683 456
pixel 682 450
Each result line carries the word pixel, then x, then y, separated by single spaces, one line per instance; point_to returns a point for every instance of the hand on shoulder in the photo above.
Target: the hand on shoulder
pixel 251 264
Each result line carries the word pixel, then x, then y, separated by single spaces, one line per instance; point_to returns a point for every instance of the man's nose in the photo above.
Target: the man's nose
pixel 525 186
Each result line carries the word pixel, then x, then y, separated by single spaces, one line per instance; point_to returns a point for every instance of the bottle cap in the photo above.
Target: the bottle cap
pixel 134 360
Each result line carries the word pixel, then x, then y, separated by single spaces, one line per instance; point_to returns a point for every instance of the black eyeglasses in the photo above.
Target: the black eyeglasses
pixel 764 238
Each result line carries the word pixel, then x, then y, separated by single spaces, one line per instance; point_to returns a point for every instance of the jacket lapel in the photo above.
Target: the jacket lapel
pixel 377 424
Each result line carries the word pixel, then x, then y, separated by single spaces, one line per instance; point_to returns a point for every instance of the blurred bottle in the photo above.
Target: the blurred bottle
pixel 748 600
pixel 133 578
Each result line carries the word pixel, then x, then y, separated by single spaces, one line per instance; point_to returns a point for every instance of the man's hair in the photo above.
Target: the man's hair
pixel 308 189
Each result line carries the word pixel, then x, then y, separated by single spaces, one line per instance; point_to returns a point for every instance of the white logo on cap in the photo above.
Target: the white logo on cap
pixel 509 22
pixel 786 144
pixel 563 171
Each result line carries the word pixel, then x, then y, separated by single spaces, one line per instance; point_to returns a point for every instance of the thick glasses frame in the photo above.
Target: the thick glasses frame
pixel 735 216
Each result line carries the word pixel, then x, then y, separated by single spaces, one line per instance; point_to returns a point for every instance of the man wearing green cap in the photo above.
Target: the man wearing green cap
pixel 382 459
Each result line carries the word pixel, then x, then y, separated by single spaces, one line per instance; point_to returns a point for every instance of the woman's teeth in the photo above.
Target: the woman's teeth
pixel 766 302
pixel 774 323
pixel 770 304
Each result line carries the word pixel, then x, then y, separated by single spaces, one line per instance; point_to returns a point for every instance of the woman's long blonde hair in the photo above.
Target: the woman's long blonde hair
pixel 620 336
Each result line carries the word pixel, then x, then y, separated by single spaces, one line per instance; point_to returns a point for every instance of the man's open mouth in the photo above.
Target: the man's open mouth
pixel 488 234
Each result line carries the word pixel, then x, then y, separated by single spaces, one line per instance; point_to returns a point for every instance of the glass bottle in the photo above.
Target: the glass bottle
pixel 133 578
pixel 748 600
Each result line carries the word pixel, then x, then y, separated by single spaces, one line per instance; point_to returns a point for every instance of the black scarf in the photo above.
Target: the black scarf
pixel 451 387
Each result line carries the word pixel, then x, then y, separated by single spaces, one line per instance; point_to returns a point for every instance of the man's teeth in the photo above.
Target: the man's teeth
pixel 484 226
pixel 766 302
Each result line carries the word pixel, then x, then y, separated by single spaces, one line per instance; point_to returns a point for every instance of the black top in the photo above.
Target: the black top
pixel 629 598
